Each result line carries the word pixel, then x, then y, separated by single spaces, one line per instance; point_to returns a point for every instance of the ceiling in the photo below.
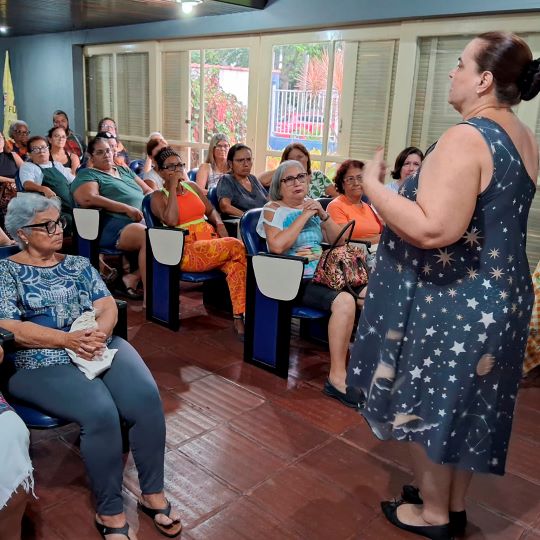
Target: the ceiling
pixel 28 17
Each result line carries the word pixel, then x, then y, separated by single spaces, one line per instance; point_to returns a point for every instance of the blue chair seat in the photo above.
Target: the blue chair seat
pixel 303 312
pixel 200 277
pixel 34 418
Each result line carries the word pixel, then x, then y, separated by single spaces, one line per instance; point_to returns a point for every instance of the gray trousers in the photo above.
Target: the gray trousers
pixel 126 391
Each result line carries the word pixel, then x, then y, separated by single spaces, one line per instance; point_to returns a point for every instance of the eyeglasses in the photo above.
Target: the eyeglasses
pixel 290 180
pixel 174 167
pixel 106 127
pixel 103 152
pixel 49 226
pixel 59 137
pixel 222 146
pixel 39 149
pixel 350 180
pixel 22 132
pixel 243 160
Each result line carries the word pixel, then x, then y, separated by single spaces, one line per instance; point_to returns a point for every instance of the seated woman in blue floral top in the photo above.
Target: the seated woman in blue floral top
pixel 295 225
pixel 42 292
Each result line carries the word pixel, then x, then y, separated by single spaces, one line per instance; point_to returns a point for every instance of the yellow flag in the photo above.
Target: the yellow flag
pixel 10 111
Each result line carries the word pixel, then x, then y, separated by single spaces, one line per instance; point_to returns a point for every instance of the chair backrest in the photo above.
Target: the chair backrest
pixel 18 183
pixel 7 251
pixel 192 174
pixel 150 219
pixel 213 198
pixel 137 166
pixel 248 229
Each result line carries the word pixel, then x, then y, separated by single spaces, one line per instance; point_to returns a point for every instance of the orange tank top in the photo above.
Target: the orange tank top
pixel 190 207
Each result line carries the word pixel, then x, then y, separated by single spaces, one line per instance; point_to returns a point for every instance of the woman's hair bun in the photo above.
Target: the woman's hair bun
pixel 529 82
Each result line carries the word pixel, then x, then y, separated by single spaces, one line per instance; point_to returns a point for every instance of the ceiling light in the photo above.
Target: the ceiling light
pixel 3 29
pixel 188 5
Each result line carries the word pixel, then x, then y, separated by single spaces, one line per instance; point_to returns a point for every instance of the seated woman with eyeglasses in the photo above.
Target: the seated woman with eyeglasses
pixel 295 225
pixel 18 134
pixel 349 205
pixel 119 192
pixel 48 177
pixel 59 153
pixel 182 204
pixel 42 292
pixel 240 190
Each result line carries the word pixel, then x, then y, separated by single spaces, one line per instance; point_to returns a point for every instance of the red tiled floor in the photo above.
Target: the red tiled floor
pixel 278 431
pixel 232 457
pixel 253 456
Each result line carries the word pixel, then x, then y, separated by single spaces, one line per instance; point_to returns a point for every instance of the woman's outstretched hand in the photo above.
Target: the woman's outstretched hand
pixel 375 169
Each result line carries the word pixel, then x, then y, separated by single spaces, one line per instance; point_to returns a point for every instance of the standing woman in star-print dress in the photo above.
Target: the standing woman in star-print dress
pixel 440 363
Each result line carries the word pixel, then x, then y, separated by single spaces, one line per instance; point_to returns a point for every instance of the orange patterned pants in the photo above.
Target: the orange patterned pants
pixel 225 254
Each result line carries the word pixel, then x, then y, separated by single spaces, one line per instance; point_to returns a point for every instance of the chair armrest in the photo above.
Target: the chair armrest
pixel 7 339
pixel 121 326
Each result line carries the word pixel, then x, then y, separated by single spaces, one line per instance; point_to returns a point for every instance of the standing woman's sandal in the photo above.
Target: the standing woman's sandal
pixel 106 531
pixel 171 530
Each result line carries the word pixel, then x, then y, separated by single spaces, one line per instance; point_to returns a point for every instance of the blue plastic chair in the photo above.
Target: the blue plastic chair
pixel 165 246
pixel 137 166
pixel 269 307
pixel 18 183
pixel 192 174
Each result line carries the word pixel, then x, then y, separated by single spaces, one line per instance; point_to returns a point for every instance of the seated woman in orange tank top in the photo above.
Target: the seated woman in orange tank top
pixel 349 204
pixel 182 204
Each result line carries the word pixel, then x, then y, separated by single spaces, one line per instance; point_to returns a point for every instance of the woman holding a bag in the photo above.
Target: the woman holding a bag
pixel 295 225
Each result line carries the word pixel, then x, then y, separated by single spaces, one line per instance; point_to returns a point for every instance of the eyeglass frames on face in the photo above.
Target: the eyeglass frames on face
pixel 222 146
pixel 103 152
pixel 39 149
pixel 358 179
pixel 49 226
pixel 291 180
pixel 174 167
pixel 22 132
pixel 59 137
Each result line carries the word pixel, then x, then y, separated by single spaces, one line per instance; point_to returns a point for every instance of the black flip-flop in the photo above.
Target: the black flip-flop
pixel 128 292
pixel 349 398
pixel 106 531
pixel 163 529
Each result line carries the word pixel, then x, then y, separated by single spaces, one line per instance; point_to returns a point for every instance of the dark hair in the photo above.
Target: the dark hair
pixel 164 154
pixel 236 148
pixel 59 112
pixel 92 143
pixel 509 59
pixel 53 129
pixel 296 146
pixel 400 160
pixel 35 138
pixel 151 145
pixel 100 123
pixel 342 171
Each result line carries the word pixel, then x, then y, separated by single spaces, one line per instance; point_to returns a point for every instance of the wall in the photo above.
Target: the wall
pixel 47 69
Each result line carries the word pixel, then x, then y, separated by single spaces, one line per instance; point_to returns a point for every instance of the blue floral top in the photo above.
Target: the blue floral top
pixel 52 296
pixel 309 238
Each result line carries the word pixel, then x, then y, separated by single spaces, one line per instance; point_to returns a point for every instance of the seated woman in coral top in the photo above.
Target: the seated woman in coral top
pixel 349 204
pixel 206 247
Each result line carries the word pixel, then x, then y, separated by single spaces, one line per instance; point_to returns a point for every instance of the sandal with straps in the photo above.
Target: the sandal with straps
pixel 106 531
pixel 165 530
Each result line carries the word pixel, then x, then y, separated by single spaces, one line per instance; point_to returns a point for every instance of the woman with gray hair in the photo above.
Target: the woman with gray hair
pixel 215 166
pixel 295 225
pixel 42 293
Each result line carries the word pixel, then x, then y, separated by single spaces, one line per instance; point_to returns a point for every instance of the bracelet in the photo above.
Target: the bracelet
pixel 326 218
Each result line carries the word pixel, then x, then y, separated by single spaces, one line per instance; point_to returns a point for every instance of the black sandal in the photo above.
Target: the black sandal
pixel 163 529
pixel 106 531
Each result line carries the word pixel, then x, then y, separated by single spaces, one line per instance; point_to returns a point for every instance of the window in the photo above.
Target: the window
pixel 432 114
pixel 99 89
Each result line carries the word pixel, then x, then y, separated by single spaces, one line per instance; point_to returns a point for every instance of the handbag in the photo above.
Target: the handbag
pixel 343 267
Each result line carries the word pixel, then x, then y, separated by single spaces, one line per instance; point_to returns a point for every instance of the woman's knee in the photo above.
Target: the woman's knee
pixel 344 304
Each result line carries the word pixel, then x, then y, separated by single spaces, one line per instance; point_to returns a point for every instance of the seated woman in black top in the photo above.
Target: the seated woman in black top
pixel 240 191
pixel 9 165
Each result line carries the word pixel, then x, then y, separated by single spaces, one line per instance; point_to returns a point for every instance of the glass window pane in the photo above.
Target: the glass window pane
pixel 298 95
pixel 226 82
pixel 99 89
pixel 195 84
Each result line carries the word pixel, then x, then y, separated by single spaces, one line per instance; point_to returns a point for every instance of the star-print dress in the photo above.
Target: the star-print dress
pixel 439 347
